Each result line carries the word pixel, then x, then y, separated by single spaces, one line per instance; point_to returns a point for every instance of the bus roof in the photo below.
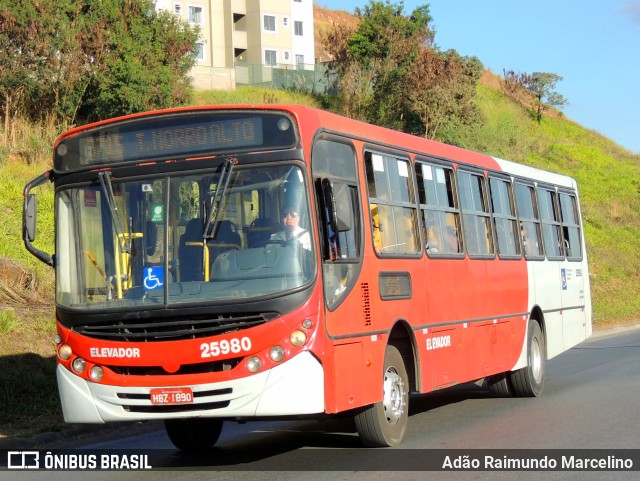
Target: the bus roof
pixel 310 120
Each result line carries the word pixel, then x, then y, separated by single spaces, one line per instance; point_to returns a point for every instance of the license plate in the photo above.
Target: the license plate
pixel 179 395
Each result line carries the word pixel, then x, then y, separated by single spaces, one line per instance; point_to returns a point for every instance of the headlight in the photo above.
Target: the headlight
pixel 65 352
pixel 298 338
pixel 276 353
pixel 254 364
pixel 96 373
pixel 79 365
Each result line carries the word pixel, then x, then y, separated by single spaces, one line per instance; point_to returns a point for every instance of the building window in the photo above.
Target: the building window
pixel 199 51
pixel 271 58
pixel 287 55
pixel 300 61
pixel 177 8
pixel 285 21
pixel 297 25
pixel 196 15
pixel 270 23
pixel 297 1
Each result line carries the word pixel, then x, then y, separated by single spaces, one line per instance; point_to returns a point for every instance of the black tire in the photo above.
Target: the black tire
pixel 500 385
pixel 193 434
pixel 384 423
pixel 529 381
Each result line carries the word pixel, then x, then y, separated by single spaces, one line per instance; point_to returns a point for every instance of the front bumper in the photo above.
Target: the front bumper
pixel 292 388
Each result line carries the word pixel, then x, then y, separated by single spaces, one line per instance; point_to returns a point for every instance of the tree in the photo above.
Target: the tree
pixel 390 74
pixel 82 60
pixel 541 85
pixel 141 59
pixel 442 91
pixel 372 61
pixel 536 88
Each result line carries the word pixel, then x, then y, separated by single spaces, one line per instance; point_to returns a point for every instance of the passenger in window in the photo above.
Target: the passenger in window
pixel 432 235
pixel 291 229
pixel 451 240
pixel 377 229
pixel 529 242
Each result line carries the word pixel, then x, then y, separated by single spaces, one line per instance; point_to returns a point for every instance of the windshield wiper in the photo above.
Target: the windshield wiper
pixel 107 188
pixel 211 226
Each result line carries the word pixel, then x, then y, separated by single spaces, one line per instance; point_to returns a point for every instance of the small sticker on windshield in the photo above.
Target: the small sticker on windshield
pixel 157 212
pixel 153 277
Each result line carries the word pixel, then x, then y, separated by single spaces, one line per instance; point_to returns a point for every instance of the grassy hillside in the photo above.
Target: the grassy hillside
pixel 609 182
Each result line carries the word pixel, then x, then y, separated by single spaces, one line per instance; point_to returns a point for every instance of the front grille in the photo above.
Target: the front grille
pixel 172 329
pixel 176 408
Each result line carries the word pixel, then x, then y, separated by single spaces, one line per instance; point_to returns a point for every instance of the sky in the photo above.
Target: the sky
pixel 593 44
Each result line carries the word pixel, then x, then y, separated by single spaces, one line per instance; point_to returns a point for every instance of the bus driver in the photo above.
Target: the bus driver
pixel 291 228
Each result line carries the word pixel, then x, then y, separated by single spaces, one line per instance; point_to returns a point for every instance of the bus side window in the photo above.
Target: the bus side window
pixel 440 210
pixel 336 187
pixel 551 228
pixel 475 214
pixel 530 230
pixel 504 217
pixel 392 203
pixel 570 226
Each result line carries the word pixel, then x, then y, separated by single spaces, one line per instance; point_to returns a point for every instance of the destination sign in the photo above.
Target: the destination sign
pixel 174 136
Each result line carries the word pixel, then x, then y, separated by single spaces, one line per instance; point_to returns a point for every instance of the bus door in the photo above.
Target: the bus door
pixel 346 298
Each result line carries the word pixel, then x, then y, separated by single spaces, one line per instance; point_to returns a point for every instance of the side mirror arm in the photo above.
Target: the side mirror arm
pixel 29 217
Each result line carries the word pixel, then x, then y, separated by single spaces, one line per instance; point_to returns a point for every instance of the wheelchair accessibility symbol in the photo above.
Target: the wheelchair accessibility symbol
pixel 153 277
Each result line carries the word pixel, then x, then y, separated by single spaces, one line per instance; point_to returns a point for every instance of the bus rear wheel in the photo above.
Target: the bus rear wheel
pixel 529 381
pixel 384 423
pixel 193 434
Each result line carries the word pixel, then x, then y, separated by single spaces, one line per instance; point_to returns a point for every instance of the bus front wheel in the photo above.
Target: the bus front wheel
pixel 193 434
pixel 529 381
pixel 384 423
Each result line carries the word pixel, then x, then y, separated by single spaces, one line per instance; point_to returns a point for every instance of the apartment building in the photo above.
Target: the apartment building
pixel 246 34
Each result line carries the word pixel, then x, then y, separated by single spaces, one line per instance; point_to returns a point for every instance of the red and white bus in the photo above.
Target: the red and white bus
pixel 405 266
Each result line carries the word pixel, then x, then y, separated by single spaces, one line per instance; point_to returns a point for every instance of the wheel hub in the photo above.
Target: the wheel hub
pixel 394 401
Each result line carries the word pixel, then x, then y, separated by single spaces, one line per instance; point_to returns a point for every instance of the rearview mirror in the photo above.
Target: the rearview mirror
pixel 30 217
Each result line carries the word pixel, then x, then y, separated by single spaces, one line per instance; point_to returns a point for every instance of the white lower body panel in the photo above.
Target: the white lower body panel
pixel 292 388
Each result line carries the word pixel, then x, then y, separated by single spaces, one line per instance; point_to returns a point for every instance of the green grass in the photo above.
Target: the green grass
pixel 8 321
pixel 251 95
pixel 13 177
pixel 608 179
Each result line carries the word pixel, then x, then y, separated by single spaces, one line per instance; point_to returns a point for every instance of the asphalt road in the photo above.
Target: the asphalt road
pixel 590 401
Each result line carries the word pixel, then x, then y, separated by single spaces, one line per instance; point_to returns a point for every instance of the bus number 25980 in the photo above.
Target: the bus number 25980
pixel 225 346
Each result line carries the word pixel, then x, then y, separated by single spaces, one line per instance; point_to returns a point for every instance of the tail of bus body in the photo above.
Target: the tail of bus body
pixel 559 319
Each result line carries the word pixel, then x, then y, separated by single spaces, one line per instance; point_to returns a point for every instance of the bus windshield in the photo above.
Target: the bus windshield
pixel 217 236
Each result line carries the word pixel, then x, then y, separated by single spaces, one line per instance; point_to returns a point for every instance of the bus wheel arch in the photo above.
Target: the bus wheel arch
pixel 529 380
pixel 402 338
